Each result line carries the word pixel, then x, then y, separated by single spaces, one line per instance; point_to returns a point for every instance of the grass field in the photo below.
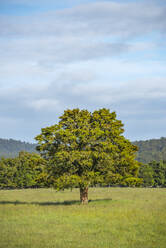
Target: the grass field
pixel 114 218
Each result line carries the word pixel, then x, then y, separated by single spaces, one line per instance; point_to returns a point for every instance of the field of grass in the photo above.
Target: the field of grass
pixel 114 218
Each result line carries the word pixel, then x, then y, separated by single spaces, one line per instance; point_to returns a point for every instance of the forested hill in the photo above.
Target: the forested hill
pixel 149 150
pixel 11 148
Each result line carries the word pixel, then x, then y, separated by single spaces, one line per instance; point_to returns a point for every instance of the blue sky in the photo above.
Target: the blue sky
pixel 88 54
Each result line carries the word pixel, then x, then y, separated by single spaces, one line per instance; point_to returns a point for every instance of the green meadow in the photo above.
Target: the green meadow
pixel 114 218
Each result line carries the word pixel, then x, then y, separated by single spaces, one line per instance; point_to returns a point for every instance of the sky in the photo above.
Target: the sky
pixel 87 54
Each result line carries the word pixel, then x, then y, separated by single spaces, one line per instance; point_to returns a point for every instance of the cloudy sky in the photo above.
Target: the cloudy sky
pixel 89 54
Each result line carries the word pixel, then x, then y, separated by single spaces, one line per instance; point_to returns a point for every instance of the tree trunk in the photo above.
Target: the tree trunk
pixel 84 195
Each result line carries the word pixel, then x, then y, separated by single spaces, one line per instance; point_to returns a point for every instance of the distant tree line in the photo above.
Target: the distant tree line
pixel 148 150
pixel 29 170
pixel 151 150
pixel 153 174
pixel 10 148
pixel 24 171
pixel 83 149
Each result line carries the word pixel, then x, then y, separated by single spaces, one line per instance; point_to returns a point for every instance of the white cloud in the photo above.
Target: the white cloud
pixel 94 55
pixel 104 18
pixel 44 104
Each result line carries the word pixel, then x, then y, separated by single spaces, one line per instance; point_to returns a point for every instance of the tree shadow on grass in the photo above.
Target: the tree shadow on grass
pixel 64 203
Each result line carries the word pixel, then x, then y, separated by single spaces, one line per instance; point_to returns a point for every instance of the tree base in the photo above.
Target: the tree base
pixel 84 195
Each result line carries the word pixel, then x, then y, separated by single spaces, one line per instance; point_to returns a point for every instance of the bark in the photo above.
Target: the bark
pixel 84 195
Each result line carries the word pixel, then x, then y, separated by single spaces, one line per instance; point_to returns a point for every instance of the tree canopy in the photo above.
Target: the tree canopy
pixel 86 149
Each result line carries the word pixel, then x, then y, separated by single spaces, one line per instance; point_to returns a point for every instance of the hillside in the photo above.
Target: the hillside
pixel 154 149
pixel 149 150
pixel 11 148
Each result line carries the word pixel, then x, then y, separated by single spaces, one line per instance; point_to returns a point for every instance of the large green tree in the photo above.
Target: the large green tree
pixel 85 149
